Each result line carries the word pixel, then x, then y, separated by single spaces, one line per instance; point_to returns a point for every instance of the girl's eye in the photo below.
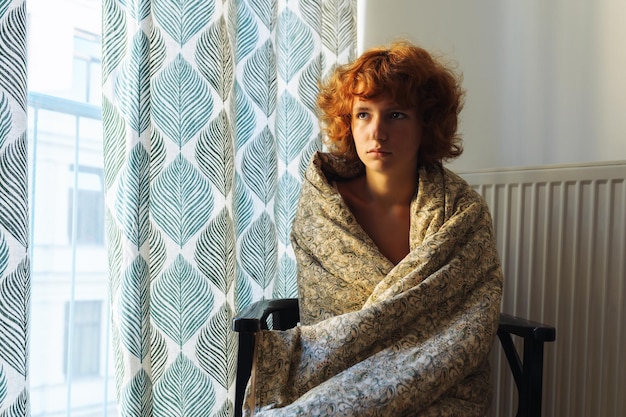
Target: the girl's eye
pixel 397 115
pixel 361 115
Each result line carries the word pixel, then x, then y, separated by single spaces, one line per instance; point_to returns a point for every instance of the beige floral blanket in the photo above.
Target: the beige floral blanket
pixel 377 339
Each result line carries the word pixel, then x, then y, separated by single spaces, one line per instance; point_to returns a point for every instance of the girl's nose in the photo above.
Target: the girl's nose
pixel 379 130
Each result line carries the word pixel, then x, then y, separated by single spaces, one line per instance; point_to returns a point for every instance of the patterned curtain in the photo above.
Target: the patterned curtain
pixel 14 230
pixel 209 121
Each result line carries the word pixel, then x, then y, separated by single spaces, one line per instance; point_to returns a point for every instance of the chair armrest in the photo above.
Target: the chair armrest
pixel 252 319
pixel 527 372
pixel 526 328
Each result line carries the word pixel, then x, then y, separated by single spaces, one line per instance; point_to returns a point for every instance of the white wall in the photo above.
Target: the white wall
pixel 545 79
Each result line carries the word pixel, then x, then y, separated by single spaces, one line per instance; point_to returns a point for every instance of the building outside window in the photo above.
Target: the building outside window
pixel 89 207
pixel 71 365
pixel 84 351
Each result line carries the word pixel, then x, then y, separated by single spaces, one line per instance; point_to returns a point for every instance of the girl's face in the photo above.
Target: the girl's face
pixel 387 137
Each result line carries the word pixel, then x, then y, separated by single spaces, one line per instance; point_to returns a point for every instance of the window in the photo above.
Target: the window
pixel 89 207
pixel 85 338
pixel 71 363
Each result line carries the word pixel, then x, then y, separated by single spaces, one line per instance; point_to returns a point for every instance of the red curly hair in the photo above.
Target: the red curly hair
pixel 413 78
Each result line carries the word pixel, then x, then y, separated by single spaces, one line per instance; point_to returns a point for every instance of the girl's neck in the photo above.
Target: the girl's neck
pixel 389 190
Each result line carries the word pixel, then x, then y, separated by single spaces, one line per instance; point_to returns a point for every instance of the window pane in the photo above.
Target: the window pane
pixel 85 338
pixel 90 208
pixel 55 141
pixel 95 89
pixel 80 72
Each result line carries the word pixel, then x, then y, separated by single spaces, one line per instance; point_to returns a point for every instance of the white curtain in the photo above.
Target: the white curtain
pixel 209 121
pixel 14 230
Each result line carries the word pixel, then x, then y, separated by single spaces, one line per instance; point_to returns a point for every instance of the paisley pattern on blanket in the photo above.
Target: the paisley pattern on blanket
pixel 377 339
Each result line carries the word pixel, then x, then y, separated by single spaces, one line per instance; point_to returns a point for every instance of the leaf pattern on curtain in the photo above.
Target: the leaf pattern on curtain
pixel 113 149
pixel 261 65
pixel 182 200
pixel 213 353
pixel 15 285
pixel 13 56
pixel 15 291
pixel 245 122
pixel 209 119
pixel 181 301
pixel 184 390
pixel 132 197
pixel 258 166
pixel 135 302
pixel 134 81
pixel 181 20
pixel 215 154
pixel 5 119
pixel 215 251
pixel 14 190
pixel 114 27
pixel 295 47
pixel 258 251
pixel 182 101
pixel 137 398
pixel 214 58
pixel 286 202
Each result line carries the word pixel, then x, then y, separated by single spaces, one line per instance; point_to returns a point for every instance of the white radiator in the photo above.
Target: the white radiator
pixel 561 233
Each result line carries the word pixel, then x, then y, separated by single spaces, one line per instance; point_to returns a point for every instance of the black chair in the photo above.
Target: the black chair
pixel 527 371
